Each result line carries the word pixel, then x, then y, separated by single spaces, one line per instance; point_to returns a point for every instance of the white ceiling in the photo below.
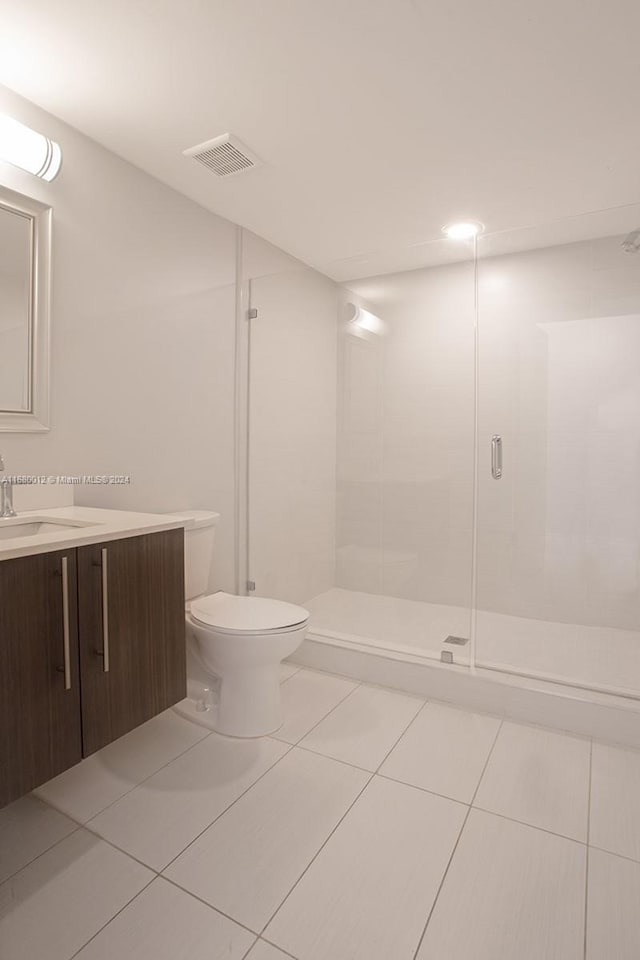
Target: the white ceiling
pixel 378 120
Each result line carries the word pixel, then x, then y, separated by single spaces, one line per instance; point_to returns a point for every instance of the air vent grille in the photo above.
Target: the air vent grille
pixel 224 155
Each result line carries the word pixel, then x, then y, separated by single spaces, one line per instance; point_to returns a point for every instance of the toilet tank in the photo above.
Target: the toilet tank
pixel 199 533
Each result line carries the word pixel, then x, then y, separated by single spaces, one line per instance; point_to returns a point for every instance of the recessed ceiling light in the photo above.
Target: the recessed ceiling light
pixel 465 230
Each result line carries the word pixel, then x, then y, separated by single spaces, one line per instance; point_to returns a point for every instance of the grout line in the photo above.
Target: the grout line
pixel 190 893
pixel 117 913
pixel 76 827
pixel 493 813
pixel 586 866
pixel 232 804
pixel 245 955
pixel 406 730
pixel 610 853
pixel 300 745
pixel 324 717
pixel 121 850
pixel 326 756
pixel 276 947
pixel 433 793
pixel 370 776
pixel 316 855
pixel 532 826
pixel 159 873
pixel 138 783
pixel 455 846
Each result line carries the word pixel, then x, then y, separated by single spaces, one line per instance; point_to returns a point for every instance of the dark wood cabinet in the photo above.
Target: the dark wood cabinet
pixel 40 732
pixel 64 691
pixel 132 643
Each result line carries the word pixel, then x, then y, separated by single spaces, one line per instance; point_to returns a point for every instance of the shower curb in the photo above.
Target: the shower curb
pixel 605 717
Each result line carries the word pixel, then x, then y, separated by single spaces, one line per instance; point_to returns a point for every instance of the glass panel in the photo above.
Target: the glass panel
pixel 558 550
pixel 292 425
pixel 405 464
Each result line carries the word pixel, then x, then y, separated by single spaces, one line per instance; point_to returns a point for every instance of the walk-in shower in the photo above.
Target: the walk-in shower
pixel 464 470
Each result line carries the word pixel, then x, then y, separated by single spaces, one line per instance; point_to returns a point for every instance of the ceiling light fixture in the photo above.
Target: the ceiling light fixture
pixel 465 230
pixel 29 150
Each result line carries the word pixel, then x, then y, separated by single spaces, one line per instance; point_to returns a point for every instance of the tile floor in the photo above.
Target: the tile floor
pixel 372 826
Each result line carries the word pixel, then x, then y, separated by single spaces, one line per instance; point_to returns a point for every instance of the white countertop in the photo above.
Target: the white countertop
pixel 104 525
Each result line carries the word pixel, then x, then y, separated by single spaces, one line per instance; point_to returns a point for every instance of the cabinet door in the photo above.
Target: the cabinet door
pixel 39 675
pixel 132 633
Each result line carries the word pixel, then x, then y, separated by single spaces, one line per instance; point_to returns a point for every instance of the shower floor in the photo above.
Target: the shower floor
pixel 601 658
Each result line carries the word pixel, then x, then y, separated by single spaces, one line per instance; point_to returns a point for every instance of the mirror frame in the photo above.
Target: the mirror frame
pixel 35 420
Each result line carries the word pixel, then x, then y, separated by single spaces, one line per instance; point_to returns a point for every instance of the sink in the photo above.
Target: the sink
pixel 36 526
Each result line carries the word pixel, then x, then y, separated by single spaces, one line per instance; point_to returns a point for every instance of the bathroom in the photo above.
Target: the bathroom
pixel 361 386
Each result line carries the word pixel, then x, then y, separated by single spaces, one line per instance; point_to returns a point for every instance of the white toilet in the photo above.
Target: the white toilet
pixel 237 644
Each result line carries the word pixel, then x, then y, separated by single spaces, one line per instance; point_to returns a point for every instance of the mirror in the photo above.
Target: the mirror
pixel 25 246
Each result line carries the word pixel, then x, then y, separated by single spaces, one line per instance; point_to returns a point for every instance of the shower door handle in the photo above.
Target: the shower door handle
pixel 496 456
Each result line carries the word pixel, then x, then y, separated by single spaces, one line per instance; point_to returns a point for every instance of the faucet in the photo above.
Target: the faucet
pixel 6 494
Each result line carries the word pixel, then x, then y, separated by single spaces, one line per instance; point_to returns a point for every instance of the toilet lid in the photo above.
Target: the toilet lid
pixel 247 614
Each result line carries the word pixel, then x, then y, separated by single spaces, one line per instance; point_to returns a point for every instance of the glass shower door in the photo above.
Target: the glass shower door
pixel 558 512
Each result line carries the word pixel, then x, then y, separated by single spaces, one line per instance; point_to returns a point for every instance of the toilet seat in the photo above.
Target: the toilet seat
pixel 229 614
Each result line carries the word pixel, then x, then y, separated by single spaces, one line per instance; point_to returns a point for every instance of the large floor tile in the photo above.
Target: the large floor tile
pixel 539 777
pixel 53 906
pixel 511 893
pixel 28 827
pixel 307 697
pixel 157 820
pixel 364 727
pixel 246 863
pixel 613 930
pixel 163 923
pixel 368 893
pixel 615 800
pixel 90 786
pixel 444 750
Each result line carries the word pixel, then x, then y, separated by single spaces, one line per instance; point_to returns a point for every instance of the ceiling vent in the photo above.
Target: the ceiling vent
pixel 224 155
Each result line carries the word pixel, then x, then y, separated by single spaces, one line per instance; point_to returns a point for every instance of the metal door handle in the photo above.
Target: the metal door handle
pixel 105 612
pixel 65 623
pixel 496 456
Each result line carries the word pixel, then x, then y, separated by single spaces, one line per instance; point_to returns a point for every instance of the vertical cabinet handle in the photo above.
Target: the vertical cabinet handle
pixel 105 611
pixel 65 623
pixel 496 456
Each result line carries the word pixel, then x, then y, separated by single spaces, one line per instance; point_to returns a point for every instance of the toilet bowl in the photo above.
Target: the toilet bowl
pixel 241 642
pixel 235 645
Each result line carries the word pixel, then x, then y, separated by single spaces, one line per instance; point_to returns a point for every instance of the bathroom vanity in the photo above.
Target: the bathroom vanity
pixel 92 635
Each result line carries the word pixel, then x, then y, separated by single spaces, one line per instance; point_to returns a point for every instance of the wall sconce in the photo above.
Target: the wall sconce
pixel 29 150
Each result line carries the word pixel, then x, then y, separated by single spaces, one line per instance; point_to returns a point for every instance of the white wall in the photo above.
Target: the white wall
pixel 292 425
pixel 142 338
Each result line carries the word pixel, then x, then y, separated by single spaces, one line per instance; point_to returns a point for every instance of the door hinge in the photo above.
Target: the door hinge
pixel 251 585
pixel 252 313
